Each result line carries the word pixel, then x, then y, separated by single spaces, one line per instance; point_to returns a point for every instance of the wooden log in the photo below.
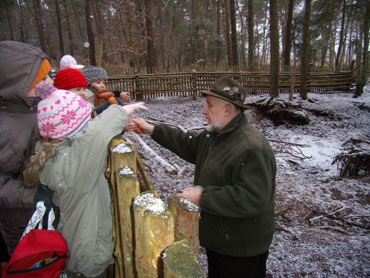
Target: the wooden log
pixel 186 219
pixel 125 187
pixel 128 188
pixel 154 232
pixel 179 261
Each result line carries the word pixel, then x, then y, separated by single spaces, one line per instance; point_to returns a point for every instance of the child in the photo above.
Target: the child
pixel 95 78
pixel 73 80
pixel 72 163
pixel 67 61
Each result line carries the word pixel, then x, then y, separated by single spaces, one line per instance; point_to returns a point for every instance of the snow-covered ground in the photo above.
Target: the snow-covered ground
pixel 322 222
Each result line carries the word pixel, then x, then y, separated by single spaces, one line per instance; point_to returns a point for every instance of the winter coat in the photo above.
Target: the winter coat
pixel 237 168
pixel 19 65
pixel 76 175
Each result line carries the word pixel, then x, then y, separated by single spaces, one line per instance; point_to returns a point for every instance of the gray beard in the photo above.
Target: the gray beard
pixel 212 128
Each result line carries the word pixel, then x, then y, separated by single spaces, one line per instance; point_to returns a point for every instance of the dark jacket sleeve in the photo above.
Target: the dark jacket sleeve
pixel 13 193
pixel 182 143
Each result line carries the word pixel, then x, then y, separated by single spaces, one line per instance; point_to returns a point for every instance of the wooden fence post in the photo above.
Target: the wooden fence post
pixel 179 261
pixel 186 219
pixel 154 231
pixel 125 188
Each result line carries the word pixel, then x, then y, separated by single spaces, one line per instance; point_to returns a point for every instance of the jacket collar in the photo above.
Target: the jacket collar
pixel 234 124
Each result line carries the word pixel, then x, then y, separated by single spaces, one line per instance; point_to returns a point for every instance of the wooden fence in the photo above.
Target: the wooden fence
pixel 152 239
pixel 191 84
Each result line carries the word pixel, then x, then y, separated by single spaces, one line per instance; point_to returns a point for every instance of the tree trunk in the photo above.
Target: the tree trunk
pixel 60 33
pixel 305 48
pixel 39 24
pixel 337 59
pixel 77 17
pixel 234 41
pixel 365 53
pixel 9 17
pixel 69 32
pixel 227 31
pixel 151 60
pixel 274 49
pixel 90 33
pixel 218 32
pixel 288 36
pixel 21 25
pixel 250 36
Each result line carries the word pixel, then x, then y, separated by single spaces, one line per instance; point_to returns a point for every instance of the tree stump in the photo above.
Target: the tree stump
pixel 179 261
pixel 154 232
pixel 186 219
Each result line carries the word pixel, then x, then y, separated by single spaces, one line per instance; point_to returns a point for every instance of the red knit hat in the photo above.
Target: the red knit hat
pixel 69 78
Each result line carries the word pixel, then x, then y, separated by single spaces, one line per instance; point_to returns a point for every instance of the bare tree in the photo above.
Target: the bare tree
pixel 274 49
pixel 151 59
pixel 363 69
pixel 337 59
pixel 218 31
pixel 305 47
pixel 251 43
pixel 90 33
pixel 234 42
pixel 9 17
pixel 227 32
pixel 66 11
pixel 60 33
pixel 22 31
pixel 39 24
pixel 288 36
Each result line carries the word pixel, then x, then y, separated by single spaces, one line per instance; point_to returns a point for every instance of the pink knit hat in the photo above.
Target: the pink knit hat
pixel 62 114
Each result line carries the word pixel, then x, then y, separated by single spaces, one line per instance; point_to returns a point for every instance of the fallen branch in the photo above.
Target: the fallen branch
pixel 168 167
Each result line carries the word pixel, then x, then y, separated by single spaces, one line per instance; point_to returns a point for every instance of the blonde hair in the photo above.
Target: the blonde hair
pixel 37 162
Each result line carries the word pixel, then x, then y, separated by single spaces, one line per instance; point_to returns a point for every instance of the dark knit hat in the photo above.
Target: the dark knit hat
pixel 93 74
pixel 69 78
pixel 228 89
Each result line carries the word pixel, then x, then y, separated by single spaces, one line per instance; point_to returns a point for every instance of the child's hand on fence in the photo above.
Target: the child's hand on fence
pixel 130 108
pixel 125 96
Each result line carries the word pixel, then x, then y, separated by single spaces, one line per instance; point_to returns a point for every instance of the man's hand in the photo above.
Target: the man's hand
pixel 191 193
pixel 125 96
pixel 144 125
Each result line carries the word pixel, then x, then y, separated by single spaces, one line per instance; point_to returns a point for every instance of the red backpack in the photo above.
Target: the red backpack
pixel 41 253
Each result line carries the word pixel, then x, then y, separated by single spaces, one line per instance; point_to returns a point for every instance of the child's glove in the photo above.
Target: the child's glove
pixel 130 108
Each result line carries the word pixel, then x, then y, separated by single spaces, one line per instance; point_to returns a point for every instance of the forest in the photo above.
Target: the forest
pixel 153 36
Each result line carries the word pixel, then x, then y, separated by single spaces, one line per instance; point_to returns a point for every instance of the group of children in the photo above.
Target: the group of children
pixel 71 155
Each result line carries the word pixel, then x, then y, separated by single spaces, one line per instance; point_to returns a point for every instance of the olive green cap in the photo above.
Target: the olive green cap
pixel 230 90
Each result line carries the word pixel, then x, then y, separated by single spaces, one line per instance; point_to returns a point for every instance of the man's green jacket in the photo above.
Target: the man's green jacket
pixel 237 169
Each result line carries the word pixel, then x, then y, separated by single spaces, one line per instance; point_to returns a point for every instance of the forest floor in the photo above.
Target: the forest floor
pixel 322 221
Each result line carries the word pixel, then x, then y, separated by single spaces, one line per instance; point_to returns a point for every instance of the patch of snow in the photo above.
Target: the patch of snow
pixel 151 203
pixel 126 171
pixel 322 222
pixel 122 148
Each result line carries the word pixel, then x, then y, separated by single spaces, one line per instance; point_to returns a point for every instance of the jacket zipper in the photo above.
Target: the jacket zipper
pixel 224 228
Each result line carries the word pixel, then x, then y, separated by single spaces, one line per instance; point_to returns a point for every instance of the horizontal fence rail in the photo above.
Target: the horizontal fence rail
pixel 193 83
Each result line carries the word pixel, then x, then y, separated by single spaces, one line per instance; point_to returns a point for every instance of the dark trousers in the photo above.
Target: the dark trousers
pixel 223 266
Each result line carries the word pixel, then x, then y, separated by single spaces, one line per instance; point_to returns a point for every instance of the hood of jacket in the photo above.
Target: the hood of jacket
pixel 20 63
